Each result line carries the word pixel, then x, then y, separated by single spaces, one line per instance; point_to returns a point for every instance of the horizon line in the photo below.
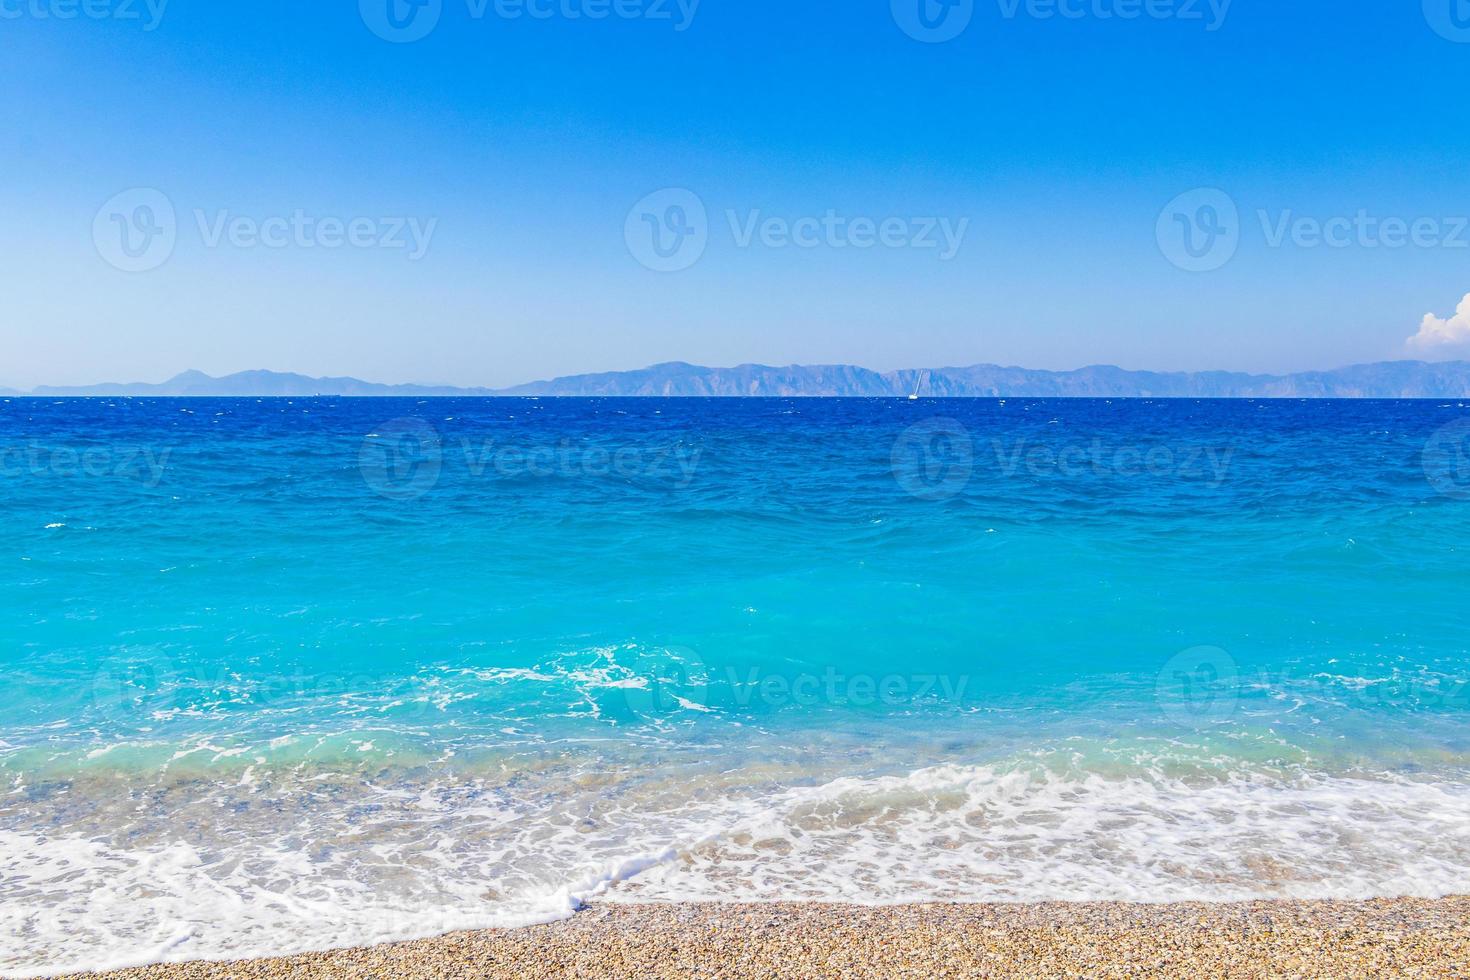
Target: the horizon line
pixel 505 391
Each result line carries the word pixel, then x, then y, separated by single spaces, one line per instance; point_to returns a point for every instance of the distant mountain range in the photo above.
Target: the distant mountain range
pixel 1394 379
pixel 1388 379
pixel 256 384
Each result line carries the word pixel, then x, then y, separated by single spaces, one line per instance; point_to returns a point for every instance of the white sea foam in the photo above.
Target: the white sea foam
pixel 79 904
pixel 327 862
pixel 74 904
pixel 983 834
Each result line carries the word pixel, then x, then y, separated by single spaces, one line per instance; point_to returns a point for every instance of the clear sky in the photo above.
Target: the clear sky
pixel 304 186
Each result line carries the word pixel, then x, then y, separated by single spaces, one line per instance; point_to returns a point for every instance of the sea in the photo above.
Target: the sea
pixel 289 674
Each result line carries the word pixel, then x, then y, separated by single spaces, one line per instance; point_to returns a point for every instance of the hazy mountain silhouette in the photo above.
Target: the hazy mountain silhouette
pixel 1388 379
pixel 196 384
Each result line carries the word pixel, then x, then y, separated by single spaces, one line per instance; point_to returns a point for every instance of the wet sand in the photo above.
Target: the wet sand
pixel 1380 938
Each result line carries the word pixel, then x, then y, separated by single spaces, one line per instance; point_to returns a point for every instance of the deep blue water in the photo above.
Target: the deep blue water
pixel 293 673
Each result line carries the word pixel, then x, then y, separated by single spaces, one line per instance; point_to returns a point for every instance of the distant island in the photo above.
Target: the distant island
pixel 1388 379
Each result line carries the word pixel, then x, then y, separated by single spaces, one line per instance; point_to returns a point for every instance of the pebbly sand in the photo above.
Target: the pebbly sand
pixel 1381 938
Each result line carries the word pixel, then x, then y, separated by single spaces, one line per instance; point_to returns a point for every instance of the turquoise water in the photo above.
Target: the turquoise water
pixel 292 674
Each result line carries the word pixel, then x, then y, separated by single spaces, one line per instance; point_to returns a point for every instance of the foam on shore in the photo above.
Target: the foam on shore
pixel 322 862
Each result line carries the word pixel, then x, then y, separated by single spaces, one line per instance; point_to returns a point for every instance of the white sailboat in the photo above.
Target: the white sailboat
pixel 919 387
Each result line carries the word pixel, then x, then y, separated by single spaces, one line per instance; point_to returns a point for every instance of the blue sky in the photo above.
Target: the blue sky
pixel 491 174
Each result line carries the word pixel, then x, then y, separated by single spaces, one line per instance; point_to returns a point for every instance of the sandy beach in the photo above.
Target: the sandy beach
pixel 1380 938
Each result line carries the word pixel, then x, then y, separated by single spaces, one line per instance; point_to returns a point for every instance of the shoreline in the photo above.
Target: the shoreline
pixel 1295 938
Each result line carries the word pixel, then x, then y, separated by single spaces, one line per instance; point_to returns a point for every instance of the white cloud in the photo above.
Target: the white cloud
pixel 1438 332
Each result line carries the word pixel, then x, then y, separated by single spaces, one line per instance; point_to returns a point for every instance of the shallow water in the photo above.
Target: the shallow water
pixel 290 674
